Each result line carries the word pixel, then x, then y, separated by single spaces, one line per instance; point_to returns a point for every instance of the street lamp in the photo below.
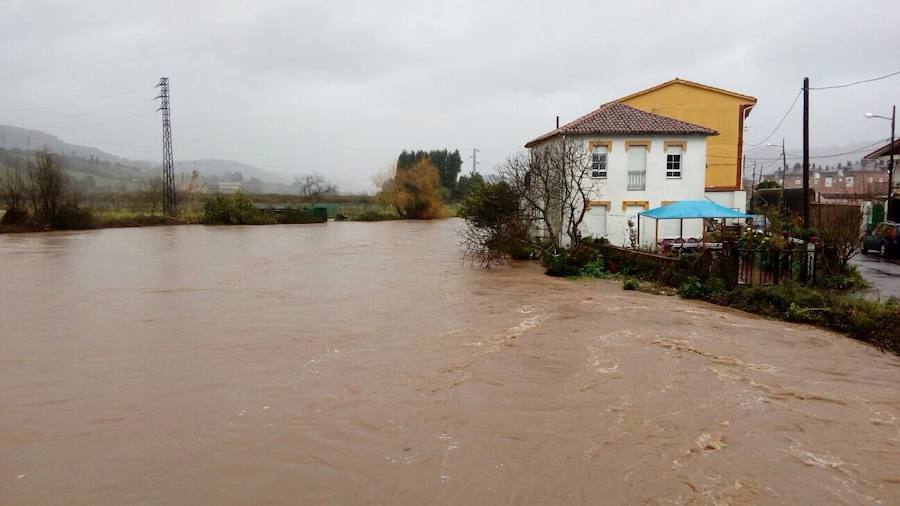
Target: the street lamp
pixel 783 174
pixel 887 205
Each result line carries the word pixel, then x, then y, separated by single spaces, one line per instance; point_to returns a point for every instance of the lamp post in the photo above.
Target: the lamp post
pixel 890 192
pixel 783 175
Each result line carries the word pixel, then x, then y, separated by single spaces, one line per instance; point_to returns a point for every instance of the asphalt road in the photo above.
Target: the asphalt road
pixel 882 274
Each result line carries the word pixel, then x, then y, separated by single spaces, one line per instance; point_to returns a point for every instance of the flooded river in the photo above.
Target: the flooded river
pixel 365 363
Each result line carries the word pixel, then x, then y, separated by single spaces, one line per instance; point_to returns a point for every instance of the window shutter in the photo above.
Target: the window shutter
pixel 637 158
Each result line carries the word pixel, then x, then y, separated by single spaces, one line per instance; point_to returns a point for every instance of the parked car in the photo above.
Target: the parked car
pixel 884 238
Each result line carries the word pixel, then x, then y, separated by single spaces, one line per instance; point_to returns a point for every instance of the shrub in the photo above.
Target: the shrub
pixel 692 288
pixel 495 228
pixel 72 217
pixel 630 284
pixel 594 269
pixel 848 279
pixel 234 209
pixel 570 262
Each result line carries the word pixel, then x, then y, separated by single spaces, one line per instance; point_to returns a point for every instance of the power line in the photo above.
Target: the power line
pixel 780 122
pixel 892 74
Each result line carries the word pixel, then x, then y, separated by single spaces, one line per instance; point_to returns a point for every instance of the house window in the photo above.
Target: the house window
pixel 828 182
pixel 797 181
pixel 673 161
pixel 637 167
pixel 871 179
pixel 848 181
pixel 598 161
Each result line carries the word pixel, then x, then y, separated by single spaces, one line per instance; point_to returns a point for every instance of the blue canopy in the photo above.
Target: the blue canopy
pixel 687 209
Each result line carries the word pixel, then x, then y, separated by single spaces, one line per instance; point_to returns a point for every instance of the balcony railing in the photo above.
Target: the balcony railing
pixel 637 179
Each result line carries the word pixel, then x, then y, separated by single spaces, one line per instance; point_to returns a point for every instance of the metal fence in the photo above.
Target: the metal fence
pixel 763 266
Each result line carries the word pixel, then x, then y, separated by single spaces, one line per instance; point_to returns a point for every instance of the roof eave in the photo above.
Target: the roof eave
pixel 688 83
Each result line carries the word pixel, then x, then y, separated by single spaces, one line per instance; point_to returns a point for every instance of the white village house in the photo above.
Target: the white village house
pixel 640 161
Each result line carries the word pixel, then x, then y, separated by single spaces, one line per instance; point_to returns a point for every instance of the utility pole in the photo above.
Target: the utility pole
pixel 168 162
pixel 752 182
pixel 474 158
pixel 806 222
pixel 783 180
pixel 887 207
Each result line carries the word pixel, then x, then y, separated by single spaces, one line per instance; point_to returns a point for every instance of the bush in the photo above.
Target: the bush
pixel 594 269
pixel 692 289
pixel 630 284
pixel 72 217
pixel 234 209
pixel 571 261
pixel 848 279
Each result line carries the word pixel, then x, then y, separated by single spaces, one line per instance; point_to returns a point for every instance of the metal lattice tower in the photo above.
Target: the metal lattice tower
pixel 168 162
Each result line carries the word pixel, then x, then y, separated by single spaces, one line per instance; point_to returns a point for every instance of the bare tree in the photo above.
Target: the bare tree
pixel 47 185
pixel 153 193
pixel 840 231
pixel 13 191
pixel 314 187
pixel 554 181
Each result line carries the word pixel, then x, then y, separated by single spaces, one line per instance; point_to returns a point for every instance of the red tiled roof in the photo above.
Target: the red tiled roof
pixel 620 119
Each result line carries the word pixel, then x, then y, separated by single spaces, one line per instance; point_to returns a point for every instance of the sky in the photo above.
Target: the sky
pixel 341 87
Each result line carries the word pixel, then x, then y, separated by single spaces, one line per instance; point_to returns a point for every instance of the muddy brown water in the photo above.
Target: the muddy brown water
pixel 364 363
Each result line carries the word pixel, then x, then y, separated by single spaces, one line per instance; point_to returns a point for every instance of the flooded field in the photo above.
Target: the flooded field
pixel 365 363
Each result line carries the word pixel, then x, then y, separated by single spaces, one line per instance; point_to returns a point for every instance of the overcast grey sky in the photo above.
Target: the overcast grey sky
pixel 342 87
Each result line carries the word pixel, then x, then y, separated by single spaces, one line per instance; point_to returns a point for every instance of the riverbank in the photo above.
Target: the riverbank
pixel 365 363
pixel 123 218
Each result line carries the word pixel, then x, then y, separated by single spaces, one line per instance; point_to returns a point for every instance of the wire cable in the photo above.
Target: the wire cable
pixel 892 74
pixel 791 108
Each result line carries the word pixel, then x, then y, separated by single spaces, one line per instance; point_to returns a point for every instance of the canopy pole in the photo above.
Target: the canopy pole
pixel 681 229
pixel 639 230
pixel 656 234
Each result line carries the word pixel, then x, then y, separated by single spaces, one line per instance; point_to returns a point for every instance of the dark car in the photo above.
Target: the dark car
pixel 884 238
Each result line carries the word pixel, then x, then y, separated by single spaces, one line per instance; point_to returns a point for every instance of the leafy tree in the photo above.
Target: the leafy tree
pixel 448 164
pixel 767 184
pixel 414 191
pixel 496 226
pixel 466 185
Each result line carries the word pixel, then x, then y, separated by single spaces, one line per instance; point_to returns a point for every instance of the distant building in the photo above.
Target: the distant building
pixel 223 187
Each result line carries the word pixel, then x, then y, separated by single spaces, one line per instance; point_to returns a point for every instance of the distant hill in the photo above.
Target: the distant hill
pixel 34 140
pixel 127 172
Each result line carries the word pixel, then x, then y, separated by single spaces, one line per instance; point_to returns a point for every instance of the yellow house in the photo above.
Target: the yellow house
pixel 722 110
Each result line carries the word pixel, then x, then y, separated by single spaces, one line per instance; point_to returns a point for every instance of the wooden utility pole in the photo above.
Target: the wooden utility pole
pixel 806 222
pixel 887 207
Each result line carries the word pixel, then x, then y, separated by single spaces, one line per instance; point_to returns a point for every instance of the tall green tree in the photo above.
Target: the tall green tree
pixel 448 164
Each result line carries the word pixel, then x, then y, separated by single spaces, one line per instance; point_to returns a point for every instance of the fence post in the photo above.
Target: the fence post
pixel 810 262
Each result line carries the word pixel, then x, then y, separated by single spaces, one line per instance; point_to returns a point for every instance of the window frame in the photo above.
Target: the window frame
pixel 604 173
pixel 674 173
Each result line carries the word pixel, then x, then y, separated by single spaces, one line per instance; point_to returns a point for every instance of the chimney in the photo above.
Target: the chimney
pixel 557 122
